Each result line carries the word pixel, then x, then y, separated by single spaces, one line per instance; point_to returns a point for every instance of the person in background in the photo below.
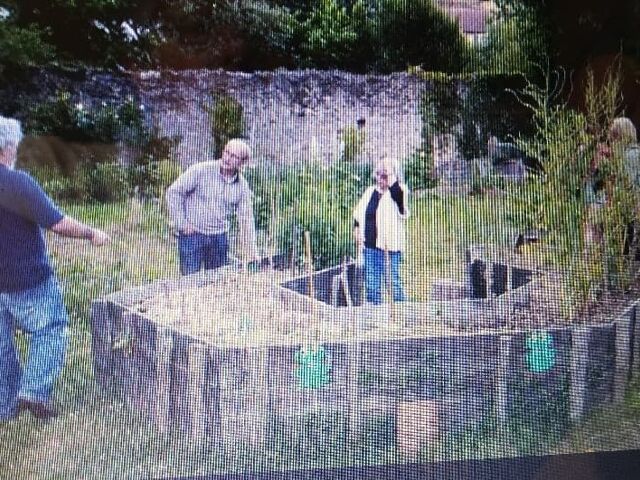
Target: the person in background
pixel 200 203
pixel 379 228
pixel 624 133
pixel 30 298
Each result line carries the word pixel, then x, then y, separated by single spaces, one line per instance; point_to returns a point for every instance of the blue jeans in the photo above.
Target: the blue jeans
pixel 198 250
pixel 375 272
pixel 40 313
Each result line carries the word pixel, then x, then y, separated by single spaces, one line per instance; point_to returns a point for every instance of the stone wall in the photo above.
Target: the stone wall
pixel 290 115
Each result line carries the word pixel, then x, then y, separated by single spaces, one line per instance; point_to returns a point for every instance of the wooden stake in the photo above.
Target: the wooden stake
pixel 293 251
pixel 307 241
pixel 387 260
pixel 345 284
pixel 353 355
pixel 271 242
pixel 315 332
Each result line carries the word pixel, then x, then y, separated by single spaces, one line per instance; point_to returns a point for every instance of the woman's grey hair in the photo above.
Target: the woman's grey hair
pixel 624 130
pixel 389 163
pixel 10 132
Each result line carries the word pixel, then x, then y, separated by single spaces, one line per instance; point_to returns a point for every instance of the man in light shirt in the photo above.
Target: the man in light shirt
pixel 200 203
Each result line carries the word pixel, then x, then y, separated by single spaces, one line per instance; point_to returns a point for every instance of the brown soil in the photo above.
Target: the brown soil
pixel 245 309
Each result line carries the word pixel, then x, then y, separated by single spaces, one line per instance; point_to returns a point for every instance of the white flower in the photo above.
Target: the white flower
pixel 79 106
pixel 129 32
pixel 101 26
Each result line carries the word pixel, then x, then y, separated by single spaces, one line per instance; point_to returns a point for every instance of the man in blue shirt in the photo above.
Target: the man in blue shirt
pixel 30 299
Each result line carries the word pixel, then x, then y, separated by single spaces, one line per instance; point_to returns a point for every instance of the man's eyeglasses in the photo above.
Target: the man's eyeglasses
pixel 242 158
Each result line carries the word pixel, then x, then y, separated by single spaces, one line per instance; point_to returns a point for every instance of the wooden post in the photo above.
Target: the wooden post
pixel 336 282
pixel 196 353
pixel 164 345
pixel 315 333
pixel 578 371
pixel 502 380
pixel 623 356
pixel 635 370
pixel 130 375
pixel 101 325
pixel 488 270
pixel 508 294
pixel 307 243
pixel 345 284
pixel 353 355
pixel 417 425
pixel 389 282
pixel 294 251
pixel 263 398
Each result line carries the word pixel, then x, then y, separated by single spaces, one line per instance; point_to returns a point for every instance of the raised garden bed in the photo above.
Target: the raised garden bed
pixel 241 357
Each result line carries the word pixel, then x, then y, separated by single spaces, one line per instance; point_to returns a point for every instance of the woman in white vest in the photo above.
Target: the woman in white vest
pixel 379 226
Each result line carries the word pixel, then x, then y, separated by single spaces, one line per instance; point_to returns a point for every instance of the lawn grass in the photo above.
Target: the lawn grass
pixel 96 436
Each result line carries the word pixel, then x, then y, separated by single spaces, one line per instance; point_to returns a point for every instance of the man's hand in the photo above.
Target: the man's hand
pixel 99 238
pixel 188 229
pixel 69 227
pixel 253 266
pixel 356 237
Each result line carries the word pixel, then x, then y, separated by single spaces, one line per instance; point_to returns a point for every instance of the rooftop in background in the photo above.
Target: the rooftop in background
pixel 473 16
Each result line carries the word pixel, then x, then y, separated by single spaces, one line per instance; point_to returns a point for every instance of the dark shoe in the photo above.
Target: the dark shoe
pixel 40 410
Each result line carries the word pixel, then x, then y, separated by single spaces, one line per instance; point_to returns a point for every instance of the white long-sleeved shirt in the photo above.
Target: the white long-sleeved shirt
pixel 388 232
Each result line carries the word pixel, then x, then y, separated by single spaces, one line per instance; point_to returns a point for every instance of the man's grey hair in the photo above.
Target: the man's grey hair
pixel 10 132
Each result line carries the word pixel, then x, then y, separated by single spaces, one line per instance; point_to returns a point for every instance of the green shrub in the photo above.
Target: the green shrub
pixel 90 182
pixel 565 142
pixel 440 107
pixel 419 171
pixel 106 182
pixel 227 121
pixel 482 184
pixel 22 47
pixel 324 207
pixel 151 170
pixel 151 180
pixel 272 31
pixel 353 139
pixel 107 123
pixel 316 198
pixel 329 35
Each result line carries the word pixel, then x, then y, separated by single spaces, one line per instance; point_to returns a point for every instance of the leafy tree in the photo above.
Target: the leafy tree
pixel 330 35
pixel 418 33
pixel 336 36
pixel 233 35
pixel 102 32
pixel 227 121
pixel 517 42
pixel 22 47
